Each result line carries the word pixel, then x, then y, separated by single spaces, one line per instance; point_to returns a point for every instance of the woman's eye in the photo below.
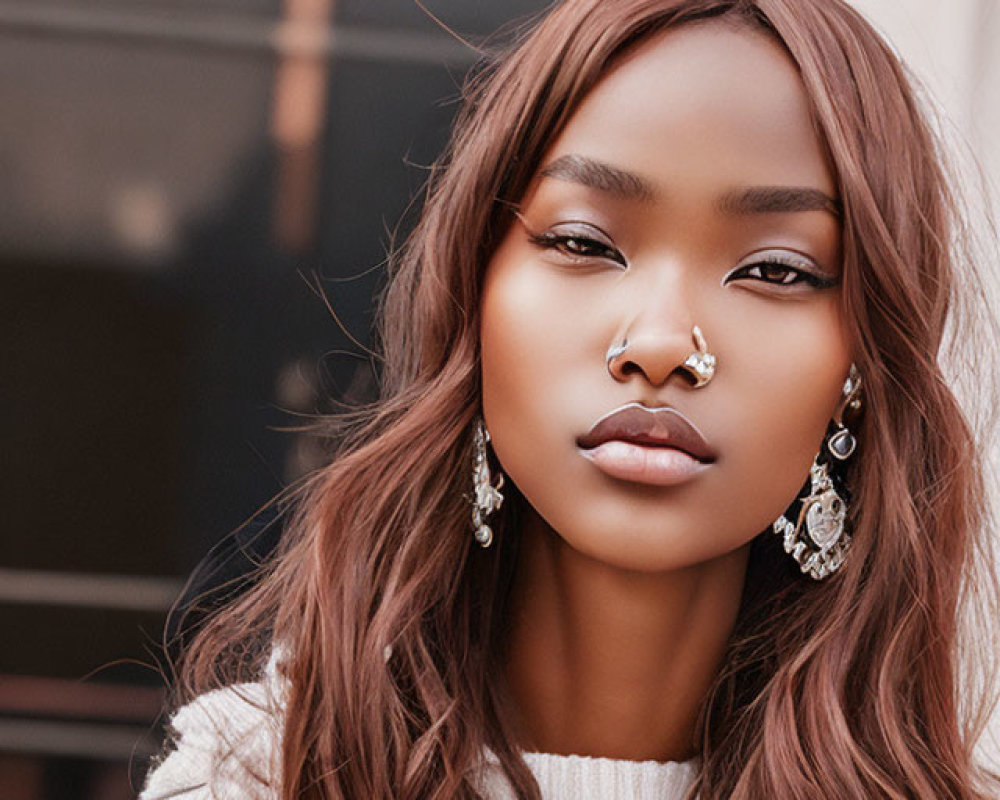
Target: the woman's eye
pixel 581 246
pixel 777 273
pixel 577 246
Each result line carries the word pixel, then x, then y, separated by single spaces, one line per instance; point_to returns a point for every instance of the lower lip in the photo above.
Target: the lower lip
pixel 657 466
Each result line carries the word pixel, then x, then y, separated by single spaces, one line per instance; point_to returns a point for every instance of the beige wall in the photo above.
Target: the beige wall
pixel 954 49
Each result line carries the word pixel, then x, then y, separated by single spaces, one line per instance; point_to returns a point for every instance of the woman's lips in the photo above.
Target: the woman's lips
pixel 658 446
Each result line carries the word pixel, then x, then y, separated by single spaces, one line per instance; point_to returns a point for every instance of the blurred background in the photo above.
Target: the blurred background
pixel 179 181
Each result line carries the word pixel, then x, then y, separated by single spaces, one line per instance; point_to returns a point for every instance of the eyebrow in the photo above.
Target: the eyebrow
pixel 604 177
pixel 599 175
pixel 778 200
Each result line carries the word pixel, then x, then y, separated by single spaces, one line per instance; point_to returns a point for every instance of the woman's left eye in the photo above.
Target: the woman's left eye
pixel 780 274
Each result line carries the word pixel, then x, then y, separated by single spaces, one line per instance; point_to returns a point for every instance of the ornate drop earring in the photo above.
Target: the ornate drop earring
pixel 819 539
pixel 486 496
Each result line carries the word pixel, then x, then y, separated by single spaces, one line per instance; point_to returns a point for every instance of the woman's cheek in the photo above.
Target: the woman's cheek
pixel 784 370
pixel 529 333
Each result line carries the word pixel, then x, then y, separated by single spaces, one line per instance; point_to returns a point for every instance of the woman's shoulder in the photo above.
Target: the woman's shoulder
pixel 224 744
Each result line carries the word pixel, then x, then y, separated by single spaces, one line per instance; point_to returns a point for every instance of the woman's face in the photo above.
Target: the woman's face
pixel 689 188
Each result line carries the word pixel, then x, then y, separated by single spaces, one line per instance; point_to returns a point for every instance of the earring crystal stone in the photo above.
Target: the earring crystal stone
pixel 842 444
pixel 486 496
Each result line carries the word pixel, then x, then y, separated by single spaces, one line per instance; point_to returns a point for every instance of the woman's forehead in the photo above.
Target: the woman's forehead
pixel 703 107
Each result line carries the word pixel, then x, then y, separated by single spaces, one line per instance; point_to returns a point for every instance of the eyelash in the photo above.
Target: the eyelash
pixel 560 243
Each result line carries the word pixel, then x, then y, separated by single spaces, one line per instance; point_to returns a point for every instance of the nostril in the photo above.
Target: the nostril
pixel 687 375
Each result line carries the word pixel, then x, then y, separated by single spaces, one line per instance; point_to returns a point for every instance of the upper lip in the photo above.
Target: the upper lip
pixel 661 427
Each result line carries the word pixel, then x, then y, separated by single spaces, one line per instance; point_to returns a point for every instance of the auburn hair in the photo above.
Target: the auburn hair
pixel 852 687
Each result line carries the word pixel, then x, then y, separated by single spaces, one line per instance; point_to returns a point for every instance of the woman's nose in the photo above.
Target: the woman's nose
pixel 655 353
pixel 662 338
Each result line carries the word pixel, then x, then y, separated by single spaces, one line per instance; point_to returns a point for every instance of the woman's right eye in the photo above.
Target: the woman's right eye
pixel 577 245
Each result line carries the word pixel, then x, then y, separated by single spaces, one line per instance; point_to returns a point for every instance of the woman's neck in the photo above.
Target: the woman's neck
pixel 613 663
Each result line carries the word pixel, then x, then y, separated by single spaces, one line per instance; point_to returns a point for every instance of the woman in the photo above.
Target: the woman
pixel 676 301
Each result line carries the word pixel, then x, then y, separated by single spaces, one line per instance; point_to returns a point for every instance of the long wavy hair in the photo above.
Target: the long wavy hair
pixel 393 619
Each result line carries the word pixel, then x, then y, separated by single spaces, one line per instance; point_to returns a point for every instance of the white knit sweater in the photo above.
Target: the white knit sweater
pixel 227 747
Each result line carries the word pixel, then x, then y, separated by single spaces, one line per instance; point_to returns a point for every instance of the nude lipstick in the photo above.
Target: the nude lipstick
pixel 657 446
